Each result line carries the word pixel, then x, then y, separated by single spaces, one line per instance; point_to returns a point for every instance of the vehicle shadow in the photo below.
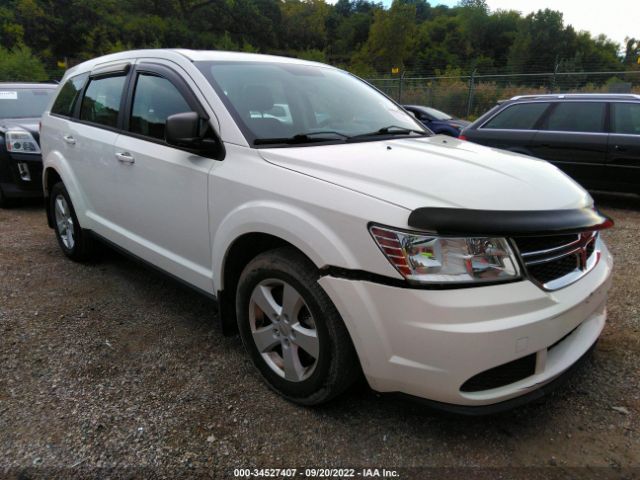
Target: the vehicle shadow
pixel 25 204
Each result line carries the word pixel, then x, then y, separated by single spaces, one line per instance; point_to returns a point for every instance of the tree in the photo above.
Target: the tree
pixel 304 24
pixel 391 37
pixel 632 53
pixel 20 64
pixel 539 43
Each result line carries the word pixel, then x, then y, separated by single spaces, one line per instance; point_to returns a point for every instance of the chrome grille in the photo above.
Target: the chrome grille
pixel 555 261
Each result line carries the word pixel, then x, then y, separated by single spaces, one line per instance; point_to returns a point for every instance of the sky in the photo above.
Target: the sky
pixel 617 19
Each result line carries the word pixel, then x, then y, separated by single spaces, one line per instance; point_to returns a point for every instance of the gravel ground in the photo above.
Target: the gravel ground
pixel 112 369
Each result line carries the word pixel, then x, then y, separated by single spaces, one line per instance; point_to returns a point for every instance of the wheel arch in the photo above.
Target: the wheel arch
pixel 253 229
pixel 243 249
pixel 50 177
pixel 56 169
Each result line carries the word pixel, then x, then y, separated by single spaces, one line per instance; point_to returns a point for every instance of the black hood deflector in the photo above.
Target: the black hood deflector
pixel 461 221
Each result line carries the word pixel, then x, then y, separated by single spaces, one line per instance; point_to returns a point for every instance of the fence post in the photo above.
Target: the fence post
pixel 472 82
pixel 401 81
pixel 554 78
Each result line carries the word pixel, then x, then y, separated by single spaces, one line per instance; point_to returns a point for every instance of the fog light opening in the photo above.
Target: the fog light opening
pixel 23 169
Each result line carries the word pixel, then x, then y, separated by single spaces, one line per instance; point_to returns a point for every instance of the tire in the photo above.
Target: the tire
pixel 75 242
pixel 4 201
pixel 289 332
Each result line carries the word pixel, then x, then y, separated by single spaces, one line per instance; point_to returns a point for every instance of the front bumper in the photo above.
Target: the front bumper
pixel 20 175
pixel 428 343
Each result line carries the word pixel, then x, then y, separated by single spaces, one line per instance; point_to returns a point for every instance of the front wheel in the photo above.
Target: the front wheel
pixel 75 242
pixel 291 329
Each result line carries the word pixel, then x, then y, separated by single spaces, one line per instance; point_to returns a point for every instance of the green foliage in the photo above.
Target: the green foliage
pixel 391 36
pixel 313 55
pixel 360 35
pixel 20 65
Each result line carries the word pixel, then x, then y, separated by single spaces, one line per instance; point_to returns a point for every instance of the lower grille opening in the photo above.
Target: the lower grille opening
pixel 501 375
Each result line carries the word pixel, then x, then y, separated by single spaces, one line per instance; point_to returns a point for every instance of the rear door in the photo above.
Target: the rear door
pixel 512 128
pixel 90 141
pixel 623 157
pixel 573 137
pixel 162 189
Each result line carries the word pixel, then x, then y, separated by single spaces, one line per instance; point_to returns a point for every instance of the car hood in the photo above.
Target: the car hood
pixel 32 125
pixel 436 171
pixel 458 123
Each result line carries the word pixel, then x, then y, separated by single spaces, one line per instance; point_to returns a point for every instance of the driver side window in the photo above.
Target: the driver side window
pixel 154 100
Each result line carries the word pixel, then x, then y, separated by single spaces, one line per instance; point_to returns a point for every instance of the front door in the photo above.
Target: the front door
pixel 164 216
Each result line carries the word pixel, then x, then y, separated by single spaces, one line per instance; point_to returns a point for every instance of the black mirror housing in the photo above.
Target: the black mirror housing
pixel 183 130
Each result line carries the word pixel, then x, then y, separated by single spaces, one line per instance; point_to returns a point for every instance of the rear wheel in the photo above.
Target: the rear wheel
pixel 75 242
pixel 292 330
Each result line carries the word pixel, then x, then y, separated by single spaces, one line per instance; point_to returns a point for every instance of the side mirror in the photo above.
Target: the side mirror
pixel 183 130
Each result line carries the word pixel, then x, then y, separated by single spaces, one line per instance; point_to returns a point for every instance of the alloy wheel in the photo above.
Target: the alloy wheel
pixel 283 330
pixel 64 222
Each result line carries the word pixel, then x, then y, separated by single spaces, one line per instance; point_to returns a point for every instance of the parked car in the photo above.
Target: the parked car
pixel 437 121
pixel 21 105
pixel 347 242
pixel 594 138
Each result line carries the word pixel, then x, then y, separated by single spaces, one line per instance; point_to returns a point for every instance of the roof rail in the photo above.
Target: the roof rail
pixel 579 95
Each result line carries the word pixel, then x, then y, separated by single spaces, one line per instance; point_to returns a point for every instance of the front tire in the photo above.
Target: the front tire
pixel 75 242
pixel 291 329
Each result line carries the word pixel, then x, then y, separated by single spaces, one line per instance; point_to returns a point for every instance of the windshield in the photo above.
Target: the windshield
pixel 437 114
pixel 24 102
pixel 272 101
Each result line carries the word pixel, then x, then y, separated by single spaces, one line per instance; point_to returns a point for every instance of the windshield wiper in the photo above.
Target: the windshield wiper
pixel 309 137
pixel 391 130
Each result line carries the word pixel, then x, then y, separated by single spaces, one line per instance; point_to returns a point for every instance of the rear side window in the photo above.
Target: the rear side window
pixel 66 99
pixel 521 116
pixel 577 117
pixel 155 99
pixel 101 102
pixel 626 118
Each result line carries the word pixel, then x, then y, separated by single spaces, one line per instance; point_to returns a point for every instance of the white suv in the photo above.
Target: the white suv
pixel 340 238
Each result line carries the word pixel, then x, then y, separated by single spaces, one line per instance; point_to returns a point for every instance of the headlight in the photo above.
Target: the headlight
pixel 21 141
pixel 423 258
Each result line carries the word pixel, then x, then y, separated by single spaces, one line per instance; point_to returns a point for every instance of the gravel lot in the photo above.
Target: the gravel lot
pixel 112 369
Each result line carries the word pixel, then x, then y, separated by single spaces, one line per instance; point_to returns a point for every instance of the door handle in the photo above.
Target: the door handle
pixel 125 157
pixel 619 148
pixel 69 139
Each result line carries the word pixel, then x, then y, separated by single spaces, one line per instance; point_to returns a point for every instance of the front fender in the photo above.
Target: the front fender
pixel 308 233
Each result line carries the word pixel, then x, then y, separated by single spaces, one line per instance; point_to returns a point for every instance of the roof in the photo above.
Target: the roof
pixel 28 85
pixel 220 55
pixel 571 96
pixel 178 54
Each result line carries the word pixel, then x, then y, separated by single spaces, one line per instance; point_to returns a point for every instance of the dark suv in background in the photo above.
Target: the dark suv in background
pixel 594 138
pixel 21 105
pixel 436 121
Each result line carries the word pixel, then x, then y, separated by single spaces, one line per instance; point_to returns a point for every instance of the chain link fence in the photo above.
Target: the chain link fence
pixel 469 96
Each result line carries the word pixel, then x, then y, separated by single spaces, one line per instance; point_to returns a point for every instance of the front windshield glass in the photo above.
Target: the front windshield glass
pixel 24 102
pixel 437 114
pixel 281 100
